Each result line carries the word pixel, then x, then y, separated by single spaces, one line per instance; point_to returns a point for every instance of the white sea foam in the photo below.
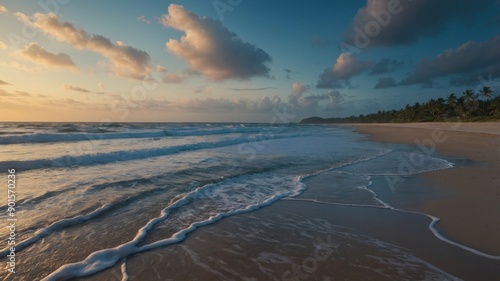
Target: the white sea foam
pixel 399 163
pixel 60 224
pixel 106 258
pixel 385 205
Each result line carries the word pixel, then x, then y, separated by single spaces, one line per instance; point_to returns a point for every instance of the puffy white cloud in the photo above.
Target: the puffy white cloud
pixel 75 88
pixel 298 90
pixel 38 54
pixel 346 67
pixel 482 57
pixel 126 61
pixel 211 49
pixel 3 10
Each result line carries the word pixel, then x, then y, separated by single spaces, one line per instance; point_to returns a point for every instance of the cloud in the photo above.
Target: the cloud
pixel 22 67
pixel 4 83
pixel 3 10
pixel 38 54
pixel 203 90
pixel 386 65
pixel 211 49
pixel 395 22
pixel 470 57
pixel 250 89
pixel 160 69
pixel 144 19
pixel 3 46
pixel 346 67
pixel 469 79
pixel 385 82
pixel 210 105
pixel 126 61
pixel 332 100
pixel 308 104
pixel 101 86
pixel 301 100
pixel 4 93
pixel 75 88
pixel 288 72
pixel 24 94
pixel 298 90
pixel 171 77
pixel 296 101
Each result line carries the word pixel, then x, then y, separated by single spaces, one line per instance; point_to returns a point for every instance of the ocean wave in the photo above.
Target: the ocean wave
pixel 399 163
pixel 14 133
pixel 71 134
pixel 106 258
pixel 116 156
pixel 229 197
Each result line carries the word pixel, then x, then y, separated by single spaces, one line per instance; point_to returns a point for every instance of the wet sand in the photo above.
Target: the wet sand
pixel 301 240
pixel 470 212
pixel 296 240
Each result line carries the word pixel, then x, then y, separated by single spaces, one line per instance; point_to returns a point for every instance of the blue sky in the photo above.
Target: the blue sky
pixel 239 60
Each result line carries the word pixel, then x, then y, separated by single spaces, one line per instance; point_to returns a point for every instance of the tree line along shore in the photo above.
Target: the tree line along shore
pixel 469 107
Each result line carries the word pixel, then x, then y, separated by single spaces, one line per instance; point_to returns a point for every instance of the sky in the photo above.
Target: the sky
pixel 239 60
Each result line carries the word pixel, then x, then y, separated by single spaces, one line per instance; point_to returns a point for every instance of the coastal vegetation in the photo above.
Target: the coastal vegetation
pixel 470 106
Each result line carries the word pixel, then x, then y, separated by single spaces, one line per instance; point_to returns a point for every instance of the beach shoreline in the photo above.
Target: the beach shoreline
pixel 469 214
pixel 363 240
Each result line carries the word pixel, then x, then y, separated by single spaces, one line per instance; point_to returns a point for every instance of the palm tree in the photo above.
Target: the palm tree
pixel 432 107
pixel 485 93
pixel 452 102
pixel 470 100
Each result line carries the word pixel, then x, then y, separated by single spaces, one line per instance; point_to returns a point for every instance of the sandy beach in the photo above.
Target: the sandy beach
pixel 470 211
pixel 304 239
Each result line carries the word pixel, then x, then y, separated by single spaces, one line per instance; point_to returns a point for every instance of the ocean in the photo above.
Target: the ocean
pixel 91 197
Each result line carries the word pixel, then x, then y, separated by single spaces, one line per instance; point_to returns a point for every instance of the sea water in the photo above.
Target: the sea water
pixel 89 195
